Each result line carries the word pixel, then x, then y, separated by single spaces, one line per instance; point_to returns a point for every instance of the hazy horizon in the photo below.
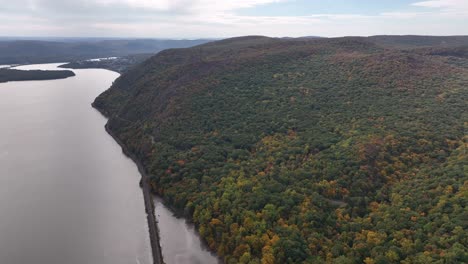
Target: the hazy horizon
pixel 96 38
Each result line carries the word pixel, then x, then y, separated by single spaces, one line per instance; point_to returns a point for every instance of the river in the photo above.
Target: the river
pixel 67 192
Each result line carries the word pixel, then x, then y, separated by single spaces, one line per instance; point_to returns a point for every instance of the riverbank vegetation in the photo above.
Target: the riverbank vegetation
pixel 305 150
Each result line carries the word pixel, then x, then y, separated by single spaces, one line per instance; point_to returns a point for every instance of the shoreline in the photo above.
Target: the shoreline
pixel 150 205
pixel 147 197
pixel 89 68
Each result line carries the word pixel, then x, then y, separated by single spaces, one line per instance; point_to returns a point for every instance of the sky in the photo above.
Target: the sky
pixel 228 18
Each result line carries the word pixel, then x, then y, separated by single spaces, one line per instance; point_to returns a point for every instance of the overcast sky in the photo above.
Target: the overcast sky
pixel 226 18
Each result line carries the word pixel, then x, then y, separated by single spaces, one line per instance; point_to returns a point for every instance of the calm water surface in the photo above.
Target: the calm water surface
pixel 67 193
pixel 179 241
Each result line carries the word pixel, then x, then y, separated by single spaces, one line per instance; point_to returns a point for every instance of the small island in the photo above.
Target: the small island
pixel 8 75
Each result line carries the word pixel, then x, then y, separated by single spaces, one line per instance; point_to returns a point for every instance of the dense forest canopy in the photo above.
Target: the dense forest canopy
pixel 341 150
pixel 8 75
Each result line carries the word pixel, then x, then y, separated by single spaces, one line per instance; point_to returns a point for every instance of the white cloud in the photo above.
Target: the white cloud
pixel 457 6
pixel 404 15
pixel 218 18
pixel 189 5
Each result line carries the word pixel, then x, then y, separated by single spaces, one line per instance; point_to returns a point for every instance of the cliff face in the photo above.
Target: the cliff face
pixel 300 150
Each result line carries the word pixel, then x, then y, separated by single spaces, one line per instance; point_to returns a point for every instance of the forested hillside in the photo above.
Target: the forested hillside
pixel 305 150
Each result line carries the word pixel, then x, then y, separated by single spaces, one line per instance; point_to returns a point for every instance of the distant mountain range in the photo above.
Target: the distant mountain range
pixel 25 51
